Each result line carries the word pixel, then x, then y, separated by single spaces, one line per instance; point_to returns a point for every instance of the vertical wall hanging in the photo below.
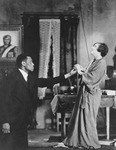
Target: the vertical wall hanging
pixel 49 28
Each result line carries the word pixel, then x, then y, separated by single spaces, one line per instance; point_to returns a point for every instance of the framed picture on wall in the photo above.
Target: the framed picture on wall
pixel 11 45
pixel 11 41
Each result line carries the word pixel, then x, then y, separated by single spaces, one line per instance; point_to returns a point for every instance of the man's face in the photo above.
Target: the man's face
pixel 7 41
pixel 28 64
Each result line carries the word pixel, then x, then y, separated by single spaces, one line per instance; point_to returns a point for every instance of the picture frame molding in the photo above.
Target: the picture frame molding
pixel 7 65
pixel 13 27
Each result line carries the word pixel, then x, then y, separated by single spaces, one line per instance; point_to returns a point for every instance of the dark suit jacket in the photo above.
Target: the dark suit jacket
pixel 17 97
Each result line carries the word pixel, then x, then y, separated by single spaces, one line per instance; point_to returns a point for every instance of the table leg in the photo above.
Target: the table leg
pixel 62 125
pixel 108 123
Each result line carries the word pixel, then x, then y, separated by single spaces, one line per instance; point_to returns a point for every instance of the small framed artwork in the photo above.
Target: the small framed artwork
pixel 11 41
pixel 11 45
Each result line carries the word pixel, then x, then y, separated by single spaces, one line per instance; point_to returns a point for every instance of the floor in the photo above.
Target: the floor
pixel 45 139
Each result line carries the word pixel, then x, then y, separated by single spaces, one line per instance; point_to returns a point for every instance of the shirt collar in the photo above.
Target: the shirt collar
pixel 25 75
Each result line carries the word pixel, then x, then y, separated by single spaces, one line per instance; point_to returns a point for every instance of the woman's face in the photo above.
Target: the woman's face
pixel 94 51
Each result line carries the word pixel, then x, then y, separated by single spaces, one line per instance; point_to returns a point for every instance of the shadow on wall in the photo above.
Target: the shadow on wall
pixel 111 72
pixel 114 59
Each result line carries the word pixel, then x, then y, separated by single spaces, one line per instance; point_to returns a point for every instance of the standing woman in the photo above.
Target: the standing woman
pixel 82 126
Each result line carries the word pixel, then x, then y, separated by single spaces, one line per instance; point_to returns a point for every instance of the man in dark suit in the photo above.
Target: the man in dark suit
pixel 17 94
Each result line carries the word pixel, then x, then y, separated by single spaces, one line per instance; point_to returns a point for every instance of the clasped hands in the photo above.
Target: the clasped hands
pixel 76 69
pixel 79 69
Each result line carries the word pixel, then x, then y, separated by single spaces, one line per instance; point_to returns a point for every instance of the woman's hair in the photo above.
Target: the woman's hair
pixel 103 49
pixel 19 59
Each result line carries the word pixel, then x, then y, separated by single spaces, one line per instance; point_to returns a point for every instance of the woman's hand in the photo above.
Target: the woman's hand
pixel 73 71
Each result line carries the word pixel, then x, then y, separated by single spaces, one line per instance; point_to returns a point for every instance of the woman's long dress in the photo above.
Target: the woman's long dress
pixel 82 126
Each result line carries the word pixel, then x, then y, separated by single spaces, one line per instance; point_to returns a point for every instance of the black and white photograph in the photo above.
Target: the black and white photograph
pixel 10 41
pixel 57 74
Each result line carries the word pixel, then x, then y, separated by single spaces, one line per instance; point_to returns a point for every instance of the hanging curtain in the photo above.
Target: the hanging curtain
pixel 44 55
pixel 48 28
pixel 68 47
pixel 56 46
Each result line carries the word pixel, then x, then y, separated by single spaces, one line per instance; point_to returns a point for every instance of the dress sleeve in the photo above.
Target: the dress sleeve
pixel 95 75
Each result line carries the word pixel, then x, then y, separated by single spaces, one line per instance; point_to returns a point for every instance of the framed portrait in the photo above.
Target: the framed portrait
pixel 11 41
pixel 11 45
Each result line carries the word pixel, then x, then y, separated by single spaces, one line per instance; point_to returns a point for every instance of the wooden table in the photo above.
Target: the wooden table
pixel 64 103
